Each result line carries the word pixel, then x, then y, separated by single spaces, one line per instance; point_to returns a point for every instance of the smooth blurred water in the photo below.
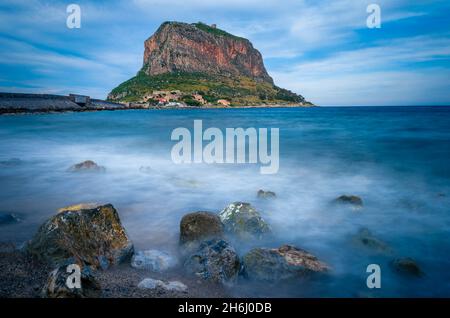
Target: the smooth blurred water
pixel 396 158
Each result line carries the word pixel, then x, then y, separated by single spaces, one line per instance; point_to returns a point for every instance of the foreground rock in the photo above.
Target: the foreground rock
pixel 87 166
pixel 366 239
pixel 153 260
pixel 352 200
pixel 266 194
pixel 91 235
pixel 281 263
pixel 8 218
pixel 200 226
pixel 406 266
pixel 215 261
pixel 150 283
pixel 57 287
pixel 243 220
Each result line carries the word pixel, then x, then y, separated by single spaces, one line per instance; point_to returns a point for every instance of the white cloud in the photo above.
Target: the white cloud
pixel 387 74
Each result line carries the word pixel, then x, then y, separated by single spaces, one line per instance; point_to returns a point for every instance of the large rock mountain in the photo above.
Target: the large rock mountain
pixel 204 65
pixel 182 47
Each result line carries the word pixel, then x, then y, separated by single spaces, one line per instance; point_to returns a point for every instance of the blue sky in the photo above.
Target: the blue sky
pixel 320 49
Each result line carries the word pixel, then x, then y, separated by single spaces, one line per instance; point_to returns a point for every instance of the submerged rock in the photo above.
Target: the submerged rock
pixel 8 218
pixel 91 235
pixel 11 162
pixel 366 239
pixel 407 266
pixel 199 226
pixel 352 200
pixel 153 260
pixel 150 283
pixel 87 165
pixel 243 220
pixel 215 260
pixel 57 287
pixel 266 194
pixel 281 263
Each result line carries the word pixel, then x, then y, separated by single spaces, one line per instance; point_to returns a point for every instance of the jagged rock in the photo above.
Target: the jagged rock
pixel 57 287
pixel 352 200
pixel 226 54
pixel 153 260
pixel 215 260
pixel 91 235
pixel 199 226
pixel 8 218
pixel 407 266
pixel 366 239
pixel 266 194
pixel 244 221
pixel 281 263
pixel 150 283
pixel 87 165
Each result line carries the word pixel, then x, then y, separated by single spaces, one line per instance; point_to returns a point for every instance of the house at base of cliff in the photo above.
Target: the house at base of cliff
pixel 223 102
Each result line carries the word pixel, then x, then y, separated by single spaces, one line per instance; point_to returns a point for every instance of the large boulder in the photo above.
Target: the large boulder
pixel 243 220
pixel 153 260
pixel 58 286
pixel 87 166
pixel 353 201
pixel 200 226
pixel 266 194
pixel 215 261
pixel 93 236
pixel 406 266
pixel 281 263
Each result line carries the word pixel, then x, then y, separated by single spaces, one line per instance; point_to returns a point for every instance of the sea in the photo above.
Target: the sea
pixel 397 159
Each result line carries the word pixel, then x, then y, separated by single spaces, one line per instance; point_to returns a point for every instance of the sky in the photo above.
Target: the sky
pixel 320 49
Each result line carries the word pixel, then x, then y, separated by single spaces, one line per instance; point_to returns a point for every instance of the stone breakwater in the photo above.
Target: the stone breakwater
pixel 38 103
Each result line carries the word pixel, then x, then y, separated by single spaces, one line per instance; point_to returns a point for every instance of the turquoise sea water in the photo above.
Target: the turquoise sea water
pixel 396 158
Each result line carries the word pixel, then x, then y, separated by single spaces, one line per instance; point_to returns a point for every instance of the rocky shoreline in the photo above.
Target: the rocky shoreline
pixel 18 103
pixel 91 237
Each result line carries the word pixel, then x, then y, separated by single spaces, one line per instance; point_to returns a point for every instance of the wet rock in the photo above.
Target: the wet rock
pixel 153 260
pixel 266 194
pixel 58 283
pixel 406 266
pixel 215 260
pixel 366 239
pixel 351 200
pixel 243 220
pixel 150 283
pixel 199 226
pixel 91 235
pixel 8 218
pixel 86 166
pixel 281 263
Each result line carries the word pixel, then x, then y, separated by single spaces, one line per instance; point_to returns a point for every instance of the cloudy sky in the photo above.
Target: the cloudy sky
pixel 320 49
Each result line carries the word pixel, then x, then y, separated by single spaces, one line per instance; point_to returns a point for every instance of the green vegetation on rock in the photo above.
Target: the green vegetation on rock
pixel 238 90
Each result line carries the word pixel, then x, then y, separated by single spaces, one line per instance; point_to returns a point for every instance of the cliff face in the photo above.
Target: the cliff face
pixel 201 65
pixel 182 47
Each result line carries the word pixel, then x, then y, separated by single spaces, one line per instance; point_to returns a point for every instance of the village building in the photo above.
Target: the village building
pixel 223 102
pixel 198 98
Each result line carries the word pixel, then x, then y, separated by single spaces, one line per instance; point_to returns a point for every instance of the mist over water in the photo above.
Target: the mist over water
pixel 396 159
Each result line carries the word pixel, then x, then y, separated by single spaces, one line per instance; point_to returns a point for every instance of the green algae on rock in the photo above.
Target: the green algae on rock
pixel 243 220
